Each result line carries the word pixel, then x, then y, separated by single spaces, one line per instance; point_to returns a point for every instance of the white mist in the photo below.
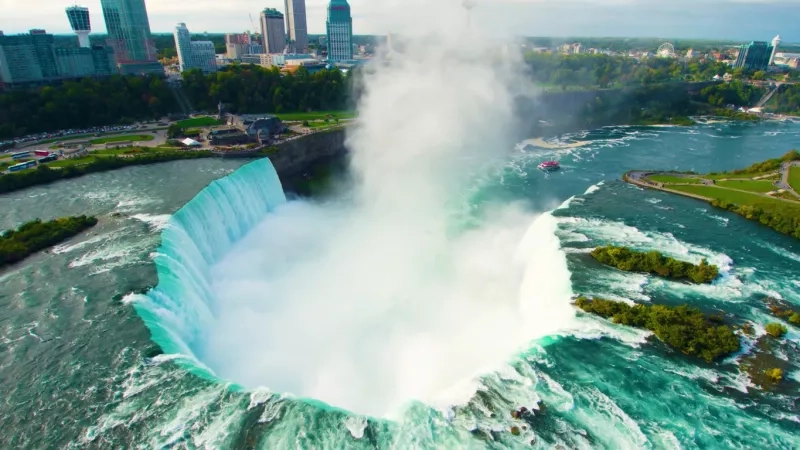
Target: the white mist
pixel 370 302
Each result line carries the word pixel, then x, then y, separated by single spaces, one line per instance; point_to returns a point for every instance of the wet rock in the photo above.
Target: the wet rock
pixel 515 431
pixel 515 414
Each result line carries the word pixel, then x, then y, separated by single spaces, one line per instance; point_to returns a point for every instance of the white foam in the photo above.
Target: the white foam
pixel 156 222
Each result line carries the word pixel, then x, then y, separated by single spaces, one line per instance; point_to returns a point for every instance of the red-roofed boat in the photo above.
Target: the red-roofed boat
pixel 549 165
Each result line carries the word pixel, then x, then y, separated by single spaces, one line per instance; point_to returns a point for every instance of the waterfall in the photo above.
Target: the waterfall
pixel 178 309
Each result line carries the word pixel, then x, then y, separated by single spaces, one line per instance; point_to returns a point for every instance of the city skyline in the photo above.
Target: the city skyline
pixel 698 19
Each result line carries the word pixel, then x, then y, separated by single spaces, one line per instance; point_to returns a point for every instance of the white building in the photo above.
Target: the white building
pixel 194 54
pixel 203 56
pixel 776 42
pixel 183 45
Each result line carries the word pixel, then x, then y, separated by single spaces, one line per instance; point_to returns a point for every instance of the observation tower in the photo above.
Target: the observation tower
pixel 79 21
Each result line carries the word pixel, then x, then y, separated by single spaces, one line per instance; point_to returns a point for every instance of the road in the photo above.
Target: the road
pixel 784 182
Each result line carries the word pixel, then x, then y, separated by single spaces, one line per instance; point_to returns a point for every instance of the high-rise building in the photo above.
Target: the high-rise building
pixel 237 45
pixel 296 25
pixel 183 46
pixel 194 54
pixel 32 59
pixel 95 61
pixel 79 21
pixel 129 35
pixel 28 58
pixel 340 31
pixel 273 33
pixel 755 56
pixel 776 42
pixel 204 56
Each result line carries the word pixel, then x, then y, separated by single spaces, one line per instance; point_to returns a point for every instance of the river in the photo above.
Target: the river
pixel 79 370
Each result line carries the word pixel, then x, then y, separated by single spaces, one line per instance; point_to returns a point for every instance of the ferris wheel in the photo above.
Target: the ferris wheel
pixel 666 50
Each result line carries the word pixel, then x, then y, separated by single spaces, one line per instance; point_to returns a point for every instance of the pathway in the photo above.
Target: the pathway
pixel 784 182
pixel 639 178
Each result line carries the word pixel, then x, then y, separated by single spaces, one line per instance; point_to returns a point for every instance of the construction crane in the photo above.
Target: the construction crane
pixel 253 23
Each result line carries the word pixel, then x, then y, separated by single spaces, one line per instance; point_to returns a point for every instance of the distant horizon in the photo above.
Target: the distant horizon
pixel 728 20
pixel 569 39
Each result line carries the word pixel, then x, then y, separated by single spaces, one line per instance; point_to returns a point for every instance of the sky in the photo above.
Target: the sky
pixel 712 19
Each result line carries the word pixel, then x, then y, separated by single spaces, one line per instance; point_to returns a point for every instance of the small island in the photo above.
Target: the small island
pixel 33 236
pixel 655 263
pixel 683 328
pixel 767 192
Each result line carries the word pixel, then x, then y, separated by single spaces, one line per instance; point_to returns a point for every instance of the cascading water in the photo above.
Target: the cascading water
pixel 182 306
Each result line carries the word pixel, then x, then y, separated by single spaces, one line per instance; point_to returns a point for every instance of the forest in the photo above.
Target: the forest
pixel 606 71
pixel 84 103
pixel 656 263
pixel 29 238
pixel 684 328
pixel 786 100
pixel 254 89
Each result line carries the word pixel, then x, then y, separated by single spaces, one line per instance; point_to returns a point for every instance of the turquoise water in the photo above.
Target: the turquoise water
pixel 80 369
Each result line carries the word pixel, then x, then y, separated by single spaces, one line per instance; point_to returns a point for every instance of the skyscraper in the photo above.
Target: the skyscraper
pixel 272 31
pixel 129 31
pixel 193 54
pixel 296 25
pixel 79 21
pixel 340 31
pixel 183 46
pixel 755 56
pixel 28 58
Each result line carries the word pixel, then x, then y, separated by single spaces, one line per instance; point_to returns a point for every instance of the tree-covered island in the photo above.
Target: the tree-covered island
pixel 683 328
pixel 655 263
pixel 33 236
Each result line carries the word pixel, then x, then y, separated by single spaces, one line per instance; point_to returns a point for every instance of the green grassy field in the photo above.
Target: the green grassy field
pixel 199 122
pixel 794 178
pixel 739 198
pixel 749 185
pixel 126 138
pixel 319 115
pixel 730 176
pixel 72 162
pixel 673 179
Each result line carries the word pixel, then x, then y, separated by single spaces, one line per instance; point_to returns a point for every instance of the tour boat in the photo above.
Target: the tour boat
pixel 549 165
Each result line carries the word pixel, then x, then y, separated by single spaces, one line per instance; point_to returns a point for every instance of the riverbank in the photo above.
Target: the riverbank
pixel 762 192
pixel 290 158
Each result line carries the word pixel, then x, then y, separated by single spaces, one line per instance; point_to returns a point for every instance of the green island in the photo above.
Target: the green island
pixel 29 238
pixel 655 263
pixel 683 328
pixel 767 192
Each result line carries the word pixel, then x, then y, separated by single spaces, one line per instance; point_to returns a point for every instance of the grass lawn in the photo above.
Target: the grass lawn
pixel 736 176
pixel 794 178
pixel 126 138
pixel 673 179
pixel 122 151
pixel 749 185
pixel 199 122
pixel 319 115
pixel 332 123
pixel 72 162
pixel 739 198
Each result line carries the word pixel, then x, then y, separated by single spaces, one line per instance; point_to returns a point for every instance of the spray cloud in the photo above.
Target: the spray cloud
pixel 387 295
